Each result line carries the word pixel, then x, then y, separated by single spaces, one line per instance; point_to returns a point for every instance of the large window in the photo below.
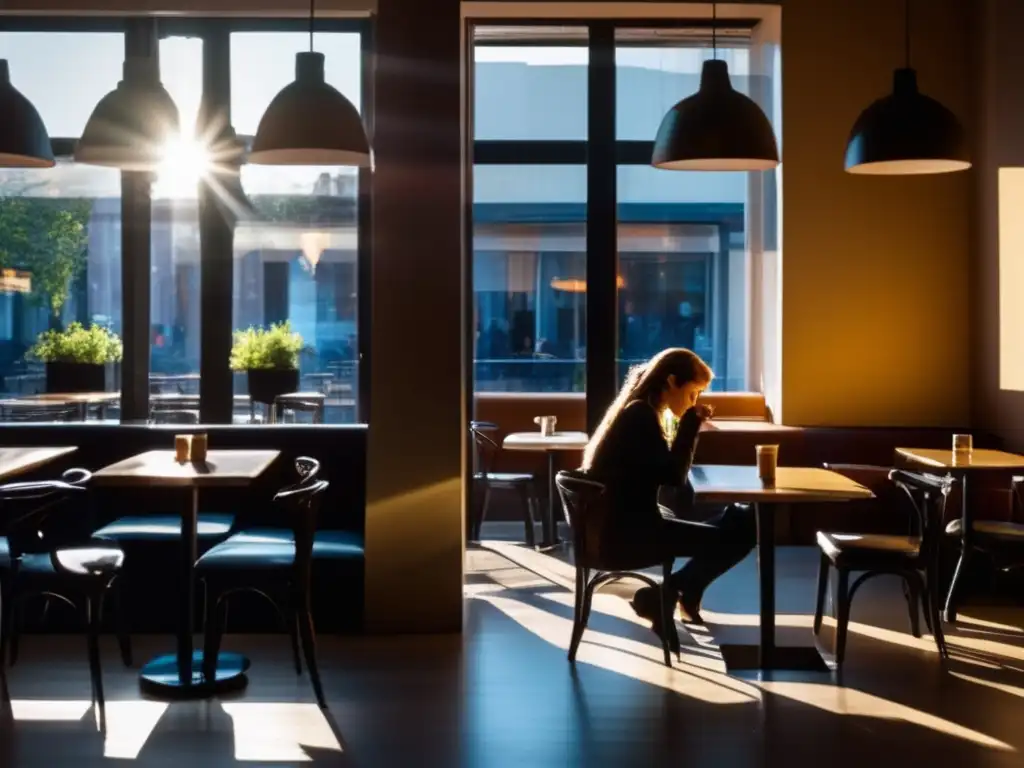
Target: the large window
pixel 296 259
pixel 296 249
pixel 548 170
pixel 60 229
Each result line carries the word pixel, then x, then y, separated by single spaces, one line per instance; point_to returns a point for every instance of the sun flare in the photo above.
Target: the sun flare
pixel 186 160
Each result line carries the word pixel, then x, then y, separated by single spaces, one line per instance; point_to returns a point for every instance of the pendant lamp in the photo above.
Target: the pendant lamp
pixel 24 142
pixel 131 125
pixel 717 128
pixel 309 122
pixel 906 132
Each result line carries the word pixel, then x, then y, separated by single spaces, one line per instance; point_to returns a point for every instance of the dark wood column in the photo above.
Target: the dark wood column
pixel 414 529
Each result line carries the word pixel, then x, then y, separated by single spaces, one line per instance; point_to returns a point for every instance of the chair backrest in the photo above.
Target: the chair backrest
pixel 301 505
pixel 25 508
pixel 307 468
pixel 586 510
pixel 889 505
pixel 485 447
pixel 928 495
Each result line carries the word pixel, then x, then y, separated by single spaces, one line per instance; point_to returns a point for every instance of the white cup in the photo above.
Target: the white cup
pixel 546 424
pixel 767 461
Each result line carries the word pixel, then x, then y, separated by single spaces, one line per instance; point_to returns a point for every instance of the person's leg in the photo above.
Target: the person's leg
pixel 714 547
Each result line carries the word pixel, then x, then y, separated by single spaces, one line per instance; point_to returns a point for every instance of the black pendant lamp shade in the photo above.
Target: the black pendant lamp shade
pixel 310 123
pixel 24 142
pixel 906 133
pixel 132 124
pixel 716 129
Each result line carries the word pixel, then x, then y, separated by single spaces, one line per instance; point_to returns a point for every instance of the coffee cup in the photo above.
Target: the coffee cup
pixel 546 424
pixel 767 461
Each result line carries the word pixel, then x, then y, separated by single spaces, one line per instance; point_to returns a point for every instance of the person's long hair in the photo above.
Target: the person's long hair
pixel 646 382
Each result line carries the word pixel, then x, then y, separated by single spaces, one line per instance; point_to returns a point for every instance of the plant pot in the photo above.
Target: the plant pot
pixel 75 377
pixel 265 384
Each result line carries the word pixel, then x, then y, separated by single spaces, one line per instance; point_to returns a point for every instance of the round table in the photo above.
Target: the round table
pixel 549 444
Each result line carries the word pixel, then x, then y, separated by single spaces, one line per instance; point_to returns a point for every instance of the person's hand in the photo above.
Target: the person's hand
pixel 704 411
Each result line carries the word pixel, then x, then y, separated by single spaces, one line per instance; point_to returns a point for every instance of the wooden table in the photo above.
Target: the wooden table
pixel 181 673
pixel 793 485
pixel 944 462
pixel 549 444
pixel 18 461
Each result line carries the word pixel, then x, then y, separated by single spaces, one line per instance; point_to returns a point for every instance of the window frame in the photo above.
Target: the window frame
pixel 136 224
pixel 601 152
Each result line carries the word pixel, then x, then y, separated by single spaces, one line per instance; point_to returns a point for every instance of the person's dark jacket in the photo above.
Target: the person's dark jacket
pixel 634 460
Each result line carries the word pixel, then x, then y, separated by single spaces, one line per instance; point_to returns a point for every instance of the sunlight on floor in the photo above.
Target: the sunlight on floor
pixel 263 731
pixel 701 674
pixel 268 732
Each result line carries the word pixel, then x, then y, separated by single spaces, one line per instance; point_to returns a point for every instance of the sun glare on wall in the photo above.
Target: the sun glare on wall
pixel 1011 279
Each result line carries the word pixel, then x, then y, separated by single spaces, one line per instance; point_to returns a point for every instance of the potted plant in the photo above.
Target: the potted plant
pixel 270 357
pixel 77 357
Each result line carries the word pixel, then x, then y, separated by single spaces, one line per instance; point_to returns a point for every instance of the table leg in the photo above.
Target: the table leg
pixel 181 673
pixel 550 529
pixel 966 545
pixel 767 655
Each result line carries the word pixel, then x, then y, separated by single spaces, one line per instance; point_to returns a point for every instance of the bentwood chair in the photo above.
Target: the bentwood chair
pixel 486 452
pixel 914 557
pixel 600 558
pixel 68 568
pixel 275 563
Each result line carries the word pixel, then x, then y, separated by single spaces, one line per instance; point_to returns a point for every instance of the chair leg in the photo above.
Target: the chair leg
pixel 293 630
pixel 308 635
pixel 17 627
pixel 482 513
pixel 819 603
pixel 578 623
pixel 124 638
pixel 216 622
pixel 526 495
pixel 93 616
pixel 933 616
pixel 668 605
pixel 912 593
pixel 958 574
pixel 842 616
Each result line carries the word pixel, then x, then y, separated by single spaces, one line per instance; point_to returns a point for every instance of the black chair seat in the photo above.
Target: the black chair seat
pixel 269 548
pixel 99 560
pixel 212 525
pixel 868 549
pixel 997 528
pixel 497 479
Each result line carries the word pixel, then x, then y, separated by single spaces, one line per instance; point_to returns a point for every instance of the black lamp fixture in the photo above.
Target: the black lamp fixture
pixel 24 142
pixel 131 126
pixel 310 122
pixel 717 128
pixel 906 132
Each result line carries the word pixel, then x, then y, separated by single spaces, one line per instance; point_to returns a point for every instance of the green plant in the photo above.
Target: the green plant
pixel 276 348
pixel 95 345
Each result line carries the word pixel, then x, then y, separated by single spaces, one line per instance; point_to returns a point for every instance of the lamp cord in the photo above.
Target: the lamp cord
pixel 312 16
pixel 906 30
pixel 714 30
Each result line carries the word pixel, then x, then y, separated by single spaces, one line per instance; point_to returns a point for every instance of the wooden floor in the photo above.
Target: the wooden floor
pixel 503 694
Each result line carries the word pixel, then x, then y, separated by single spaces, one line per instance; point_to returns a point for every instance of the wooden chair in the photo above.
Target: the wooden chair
pixel 275 563
pixel 486 453
pixel 598 559
pixel 65 567
pixel 914 557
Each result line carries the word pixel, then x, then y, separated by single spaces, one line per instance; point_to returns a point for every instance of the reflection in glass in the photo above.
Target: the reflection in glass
pixel 529 278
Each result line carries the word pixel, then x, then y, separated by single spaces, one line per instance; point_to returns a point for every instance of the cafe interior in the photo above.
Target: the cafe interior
pixel 250 515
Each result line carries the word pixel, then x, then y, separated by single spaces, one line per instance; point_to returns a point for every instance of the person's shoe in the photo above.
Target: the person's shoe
pixel 689 608
pixel 645 604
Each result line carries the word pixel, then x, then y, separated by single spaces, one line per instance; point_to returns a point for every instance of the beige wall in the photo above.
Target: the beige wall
pixel 875 271
pixel 999 63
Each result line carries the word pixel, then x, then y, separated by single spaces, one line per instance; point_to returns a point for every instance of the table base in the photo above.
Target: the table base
pixel 160 676
pixel 796 658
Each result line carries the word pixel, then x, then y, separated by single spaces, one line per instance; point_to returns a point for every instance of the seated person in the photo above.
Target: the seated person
pixel 630 454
